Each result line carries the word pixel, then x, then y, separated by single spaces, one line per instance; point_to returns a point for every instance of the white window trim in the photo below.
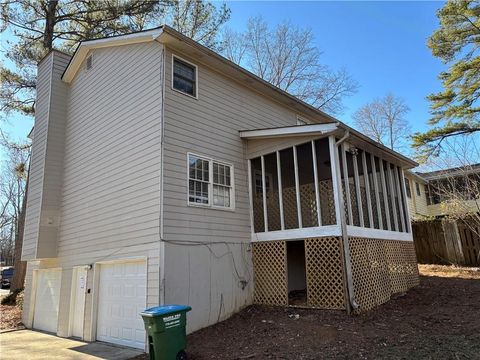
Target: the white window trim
pixel 210 183
pixel 196 77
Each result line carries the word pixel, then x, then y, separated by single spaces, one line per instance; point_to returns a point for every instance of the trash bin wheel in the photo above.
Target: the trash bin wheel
pixel 181 355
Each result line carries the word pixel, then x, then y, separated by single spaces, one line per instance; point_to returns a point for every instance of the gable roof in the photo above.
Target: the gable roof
pixel 177 41
pixel 174 39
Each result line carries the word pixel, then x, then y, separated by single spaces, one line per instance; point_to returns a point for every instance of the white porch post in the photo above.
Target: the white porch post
pixel 358 190
pixel 280 191
pixel 317 191
pixel 367 189
pixel 377 192
pixel 346 184
pixel 264 193
pixel 297 187
pixel 334 165
pixel 384 188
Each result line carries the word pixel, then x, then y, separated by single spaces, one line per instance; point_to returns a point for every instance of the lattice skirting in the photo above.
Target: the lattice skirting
pixel 270 273
pixel 381 268
pixel 325 273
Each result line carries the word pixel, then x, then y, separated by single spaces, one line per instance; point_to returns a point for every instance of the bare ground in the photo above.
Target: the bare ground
pixel 440 319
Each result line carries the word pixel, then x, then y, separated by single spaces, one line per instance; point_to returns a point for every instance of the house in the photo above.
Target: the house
pixel 442 192
pixel 163 173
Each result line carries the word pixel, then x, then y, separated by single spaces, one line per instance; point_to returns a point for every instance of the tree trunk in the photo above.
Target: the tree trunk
pixel 20 266
pixel 50 21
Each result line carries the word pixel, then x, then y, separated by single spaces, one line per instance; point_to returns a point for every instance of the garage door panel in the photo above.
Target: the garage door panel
pixel 47 299
pixel 122 296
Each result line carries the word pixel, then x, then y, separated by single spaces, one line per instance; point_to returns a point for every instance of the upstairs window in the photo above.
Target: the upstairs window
pixel 407 188
pixel 210 183
pixel 184 77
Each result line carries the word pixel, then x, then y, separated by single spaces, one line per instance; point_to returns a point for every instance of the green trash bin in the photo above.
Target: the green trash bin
pixel 165 326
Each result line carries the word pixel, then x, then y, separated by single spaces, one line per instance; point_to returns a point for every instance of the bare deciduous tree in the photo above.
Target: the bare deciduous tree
pixel 458 193
pixel 384 121
pixel 12 192
pixel 287 57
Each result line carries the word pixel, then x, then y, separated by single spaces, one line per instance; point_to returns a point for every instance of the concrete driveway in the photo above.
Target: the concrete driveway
pixel 34 345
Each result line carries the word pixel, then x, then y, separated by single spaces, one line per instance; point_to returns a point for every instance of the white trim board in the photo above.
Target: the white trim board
pixel 295 234
pixel 377 234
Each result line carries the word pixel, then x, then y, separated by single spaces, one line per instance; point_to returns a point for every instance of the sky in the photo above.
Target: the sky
pixel 381 44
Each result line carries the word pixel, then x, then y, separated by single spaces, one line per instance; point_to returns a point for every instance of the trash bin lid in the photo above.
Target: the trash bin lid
pixel 164 310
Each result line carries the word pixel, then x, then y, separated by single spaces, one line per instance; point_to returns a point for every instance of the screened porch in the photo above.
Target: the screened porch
pixel 302 190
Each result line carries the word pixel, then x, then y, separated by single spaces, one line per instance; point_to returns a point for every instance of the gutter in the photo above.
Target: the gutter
pixel 352 304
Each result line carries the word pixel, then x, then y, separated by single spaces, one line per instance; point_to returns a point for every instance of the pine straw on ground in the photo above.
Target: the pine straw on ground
pixel 10 317
pixel 439 319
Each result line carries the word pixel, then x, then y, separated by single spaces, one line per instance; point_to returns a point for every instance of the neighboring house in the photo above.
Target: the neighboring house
pixel 163 173
pixel 438 193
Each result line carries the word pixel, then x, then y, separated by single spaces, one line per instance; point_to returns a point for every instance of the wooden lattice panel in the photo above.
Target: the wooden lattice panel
pixel 270 273
pixel 381 268
pixel 289 198
pixel 325 273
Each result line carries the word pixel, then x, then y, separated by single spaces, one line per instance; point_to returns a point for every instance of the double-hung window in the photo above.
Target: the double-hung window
pixel 184 77
pixel 210 182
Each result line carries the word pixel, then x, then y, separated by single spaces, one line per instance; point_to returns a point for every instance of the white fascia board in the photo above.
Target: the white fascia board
pixel 84 48
pixel 299 130
pixel 357 231
pixel 298 234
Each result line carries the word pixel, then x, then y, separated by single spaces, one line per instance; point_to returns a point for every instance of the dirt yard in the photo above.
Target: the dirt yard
pixel 440 319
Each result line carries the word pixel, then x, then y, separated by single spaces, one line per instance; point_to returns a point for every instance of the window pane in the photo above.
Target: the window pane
pixel 221 196
pixel 198 192
pixel 184 77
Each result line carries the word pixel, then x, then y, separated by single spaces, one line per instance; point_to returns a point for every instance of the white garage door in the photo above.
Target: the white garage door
pixel 46 300
pixel 121 298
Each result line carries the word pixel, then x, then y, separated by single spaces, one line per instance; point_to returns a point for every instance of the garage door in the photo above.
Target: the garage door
pixel 121 298
pixel 46 300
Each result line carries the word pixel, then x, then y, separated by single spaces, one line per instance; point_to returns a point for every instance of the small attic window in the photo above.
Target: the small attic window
pixel 184 77
pixel 89 62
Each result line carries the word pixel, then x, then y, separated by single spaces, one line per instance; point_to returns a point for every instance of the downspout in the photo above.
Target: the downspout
pixel 352 304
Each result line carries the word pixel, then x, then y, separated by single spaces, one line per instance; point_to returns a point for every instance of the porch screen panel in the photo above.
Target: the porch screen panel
pixel 324 170
pixel 363 188
pixel 257 193
pixel 289 193
pixel 273 205
pixel 381 187
pixel 353 191
pixel 373 198
pixel 308 202
pixel 397 196
pixel 390 195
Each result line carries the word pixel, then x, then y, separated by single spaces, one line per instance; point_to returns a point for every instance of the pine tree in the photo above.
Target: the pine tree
pixel 456 109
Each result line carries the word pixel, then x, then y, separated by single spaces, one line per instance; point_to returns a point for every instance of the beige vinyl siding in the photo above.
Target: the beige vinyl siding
pixel 206 276
pixel 37 164
pixel 111 185
pixel 53 169
pixel 417 204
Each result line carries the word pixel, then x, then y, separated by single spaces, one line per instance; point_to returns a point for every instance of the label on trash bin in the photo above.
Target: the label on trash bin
pixel 172 321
